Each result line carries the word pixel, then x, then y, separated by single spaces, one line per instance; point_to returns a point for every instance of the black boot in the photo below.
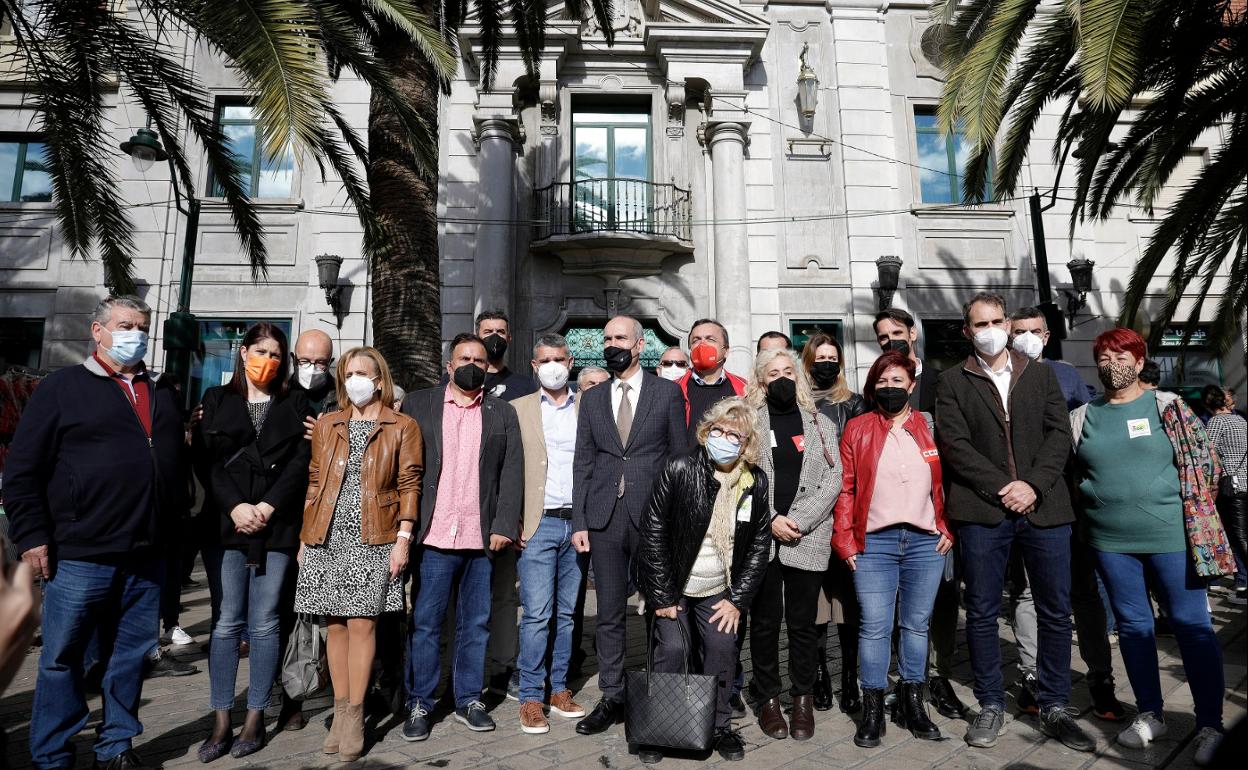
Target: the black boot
pixel 851 700
pixel 910 713
pixel 872 726
pixel 822 690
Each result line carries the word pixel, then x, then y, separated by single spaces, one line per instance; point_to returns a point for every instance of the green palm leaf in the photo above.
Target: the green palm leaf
pixel 1111 33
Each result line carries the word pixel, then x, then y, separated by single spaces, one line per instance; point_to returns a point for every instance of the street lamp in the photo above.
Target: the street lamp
pixel 807 86
pixel 328 266
pixel 888 271
pixel 181 328
pixel 1081 278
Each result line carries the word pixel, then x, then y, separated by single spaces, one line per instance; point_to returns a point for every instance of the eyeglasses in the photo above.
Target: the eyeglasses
pixel 320 364
pixel 735 438
pixel 1037 332
pixel 670 364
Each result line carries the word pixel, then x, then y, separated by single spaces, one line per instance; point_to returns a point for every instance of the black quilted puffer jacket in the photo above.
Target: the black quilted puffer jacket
pixel 676 520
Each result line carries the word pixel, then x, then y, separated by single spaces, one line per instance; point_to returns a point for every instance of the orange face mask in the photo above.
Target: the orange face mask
pixel 261 369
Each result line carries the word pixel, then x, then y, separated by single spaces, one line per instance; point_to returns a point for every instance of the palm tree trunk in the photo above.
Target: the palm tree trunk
pixel 406 293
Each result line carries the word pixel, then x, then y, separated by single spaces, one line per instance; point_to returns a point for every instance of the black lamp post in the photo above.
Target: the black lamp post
pixel 888 271
pixel 181 328
pixel 328 266
pixel 1081 278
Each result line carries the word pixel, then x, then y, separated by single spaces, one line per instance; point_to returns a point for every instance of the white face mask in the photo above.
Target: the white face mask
pixel 310 377
pixel 672 373
pixel 991 341
pixel 553 375
pixel 360 389
pixel 1029 345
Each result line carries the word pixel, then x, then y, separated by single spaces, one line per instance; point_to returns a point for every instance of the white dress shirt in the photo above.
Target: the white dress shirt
pixel 1001 378
pixel 634 392
pixel 559 428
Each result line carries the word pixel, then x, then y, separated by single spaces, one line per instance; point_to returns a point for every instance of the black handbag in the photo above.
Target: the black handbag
pixel 674 711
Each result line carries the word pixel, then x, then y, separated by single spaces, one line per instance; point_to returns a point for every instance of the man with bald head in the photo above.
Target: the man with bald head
pixel 625 432
pixel 313 358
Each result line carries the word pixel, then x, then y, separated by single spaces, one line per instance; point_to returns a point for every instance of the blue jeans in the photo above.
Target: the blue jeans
pixel 437 573
pixel 1183 596
pixel 550 572
pixel 985 551
pixel 899 568
pixel 122 603
pixel 247 599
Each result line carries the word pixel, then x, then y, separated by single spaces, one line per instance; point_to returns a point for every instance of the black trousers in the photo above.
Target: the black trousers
pixel 793 593
pixel 611 553
pixel 718 648
pixel 1233 510
pixel 500 653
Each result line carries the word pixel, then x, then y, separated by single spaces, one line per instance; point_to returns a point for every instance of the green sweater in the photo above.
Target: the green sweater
pixel 1128 479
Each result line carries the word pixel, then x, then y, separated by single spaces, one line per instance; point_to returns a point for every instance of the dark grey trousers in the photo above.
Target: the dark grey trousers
pixel 611 552
pixel 719 648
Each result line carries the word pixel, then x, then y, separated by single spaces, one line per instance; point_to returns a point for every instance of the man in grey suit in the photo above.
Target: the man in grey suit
pixel 625 433
pixel 469 512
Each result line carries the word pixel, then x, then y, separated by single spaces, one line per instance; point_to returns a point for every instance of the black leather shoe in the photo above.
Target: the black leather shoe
pixel 910 713
pixel 649 756
pixel 946 701
pixel 605 714
pixel 872 725
pixel 1056 722
pixel 851 699
pixel 729 745
pixel 822 690
pixel 126 760
pixel 417 725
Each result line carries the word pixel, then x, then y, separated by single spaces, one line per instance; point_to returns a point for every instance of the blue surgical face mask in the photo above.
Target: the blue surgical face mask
pixel 722 451
pixel 129 346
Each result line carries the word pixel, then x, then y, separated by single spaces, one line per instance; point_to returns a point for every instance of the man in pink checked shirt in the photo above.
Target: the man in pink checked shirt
pixel 469 511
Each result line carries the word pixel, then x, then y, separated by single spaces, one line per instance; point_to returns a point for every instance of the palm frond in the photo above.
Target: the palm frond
pixel 405 16
pixel 1111 35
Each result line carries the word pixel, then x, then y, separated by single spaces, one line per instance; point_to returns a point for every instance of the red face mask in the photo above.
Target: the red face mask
pixel 705 356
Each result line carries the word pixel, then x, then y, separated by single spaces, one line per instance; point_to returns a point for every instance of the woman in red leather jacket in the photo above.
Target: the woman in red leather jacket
pixel 890 529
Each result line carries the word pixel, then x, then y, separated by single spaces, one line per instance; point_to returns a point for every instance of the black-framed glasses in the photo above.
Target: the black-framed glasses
pixel 733 437
pixel 320 364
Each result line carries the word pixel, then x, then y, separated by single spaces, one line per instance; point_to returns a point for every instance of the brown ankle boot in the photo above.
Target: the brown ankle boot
pixel 334 736
pixel 771 719
pixel 351 739
pixel 802 723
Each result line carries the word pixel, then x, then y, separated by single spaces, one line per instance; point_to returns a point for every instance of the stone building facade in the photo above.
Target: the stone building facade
pixel 677 174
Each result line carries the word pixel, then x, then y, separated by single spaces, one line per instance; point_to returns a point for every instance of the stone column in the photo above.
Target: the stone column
pixel 494 268
pixel 732 257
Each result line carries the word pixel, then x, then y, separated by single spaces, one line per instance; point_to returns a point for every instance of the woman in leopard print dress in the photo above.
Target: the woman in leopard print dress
pixel 361 506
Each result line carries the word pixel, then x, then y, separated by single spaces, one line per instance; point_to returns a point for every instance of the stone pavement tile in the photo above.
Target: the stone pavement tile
pixel 914 752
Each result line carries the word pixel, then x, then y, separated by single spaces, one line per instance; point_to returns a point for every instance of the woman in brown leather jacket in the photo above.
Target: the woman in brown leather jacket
pixel 361 506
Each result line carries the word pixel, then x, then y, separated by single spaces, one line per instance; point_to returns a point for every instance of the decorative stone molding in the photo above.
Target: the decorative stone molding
pixel 504 127
pixel 548 101
pixel 676 110
pixel 713 132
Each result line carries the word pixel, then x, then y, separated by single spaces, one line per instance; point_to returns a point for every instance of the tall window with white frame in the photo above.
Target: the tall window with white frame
pixel 264 177
pixel 24 174
pixel 942 160
pixel 611 170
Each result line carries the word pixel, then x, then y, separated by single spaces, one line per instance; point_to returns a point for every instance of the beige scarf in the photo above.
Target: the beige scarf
pixel 724 514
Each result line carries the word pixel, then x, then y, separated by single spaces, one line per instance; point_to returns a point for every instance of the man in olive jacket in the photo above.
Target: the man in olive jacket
pixel 1004 439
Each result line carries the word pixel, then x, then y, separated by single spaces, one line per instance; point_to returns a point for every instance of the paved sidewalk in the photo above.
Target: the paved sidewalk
pixel 175 713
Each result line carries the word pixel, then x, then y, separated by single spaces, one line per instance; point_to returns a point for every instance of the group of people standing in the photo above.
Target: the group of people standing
pixel 732 505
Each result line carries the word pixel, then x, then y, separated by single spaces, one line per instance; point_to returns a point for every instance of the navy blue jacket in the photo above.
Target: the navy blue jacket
pixel 82 477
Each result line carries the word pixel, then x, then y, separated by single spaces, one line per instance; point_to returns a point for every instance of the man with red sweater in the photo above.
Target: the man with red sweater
pixel 706 382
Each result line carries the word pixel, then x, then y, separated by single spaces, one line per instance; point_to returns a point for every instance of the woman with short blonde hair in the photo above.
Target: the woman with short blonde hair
pixel 805 478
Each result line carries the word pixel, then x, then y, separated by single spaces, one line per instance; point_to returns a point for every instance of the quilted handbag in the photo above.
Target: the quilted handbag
pixel 675 711
pixel 305 671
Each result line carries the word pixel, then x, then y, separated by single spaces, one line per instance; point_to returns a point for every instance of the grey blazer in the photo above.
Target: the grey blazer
pixel 817 490
pixel 658 432
pixel 501 468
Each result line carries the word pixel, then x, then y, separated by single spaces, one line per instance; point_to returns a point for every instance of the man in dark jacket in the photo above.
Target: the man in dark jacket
pixel 313 356
pixel 95 467
pixel 625 432
pixel 469 511
pixel 895 330
pixel 1004 439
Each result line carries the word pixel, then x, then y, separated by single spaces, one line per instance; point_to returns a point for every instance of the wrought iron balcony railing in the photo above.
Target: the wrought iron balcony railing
pixel 612 205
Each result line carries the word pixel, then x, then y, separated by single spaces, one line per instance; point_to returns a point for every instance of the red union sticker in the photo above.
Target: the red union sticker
pixel 800 442
pixel 931 455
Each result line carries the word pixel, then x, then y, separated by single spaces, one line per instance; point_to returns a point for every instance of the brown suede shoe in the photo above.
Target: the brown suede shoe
pixel 532 719
pixel 771 719
pixel 561 703
pixel 802 722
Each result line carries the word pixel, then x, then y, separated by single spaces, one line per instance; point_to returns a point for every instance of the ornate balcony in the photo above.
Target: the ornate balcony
pixel 629 225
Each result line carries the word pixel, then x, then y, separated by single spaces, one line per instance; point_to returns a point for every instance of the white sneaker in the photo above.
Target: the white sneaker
pixel 1207 742
pixel 1146 728
pixel 178 637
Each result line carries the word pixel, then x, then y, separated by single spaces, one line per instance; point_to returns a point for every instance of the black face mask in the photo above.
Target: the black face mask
pixel 618 359
pixel 901 346
pixel 469 377
pixel 495 346
pixel 782 394
pixel 825 373
pixel 892 400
